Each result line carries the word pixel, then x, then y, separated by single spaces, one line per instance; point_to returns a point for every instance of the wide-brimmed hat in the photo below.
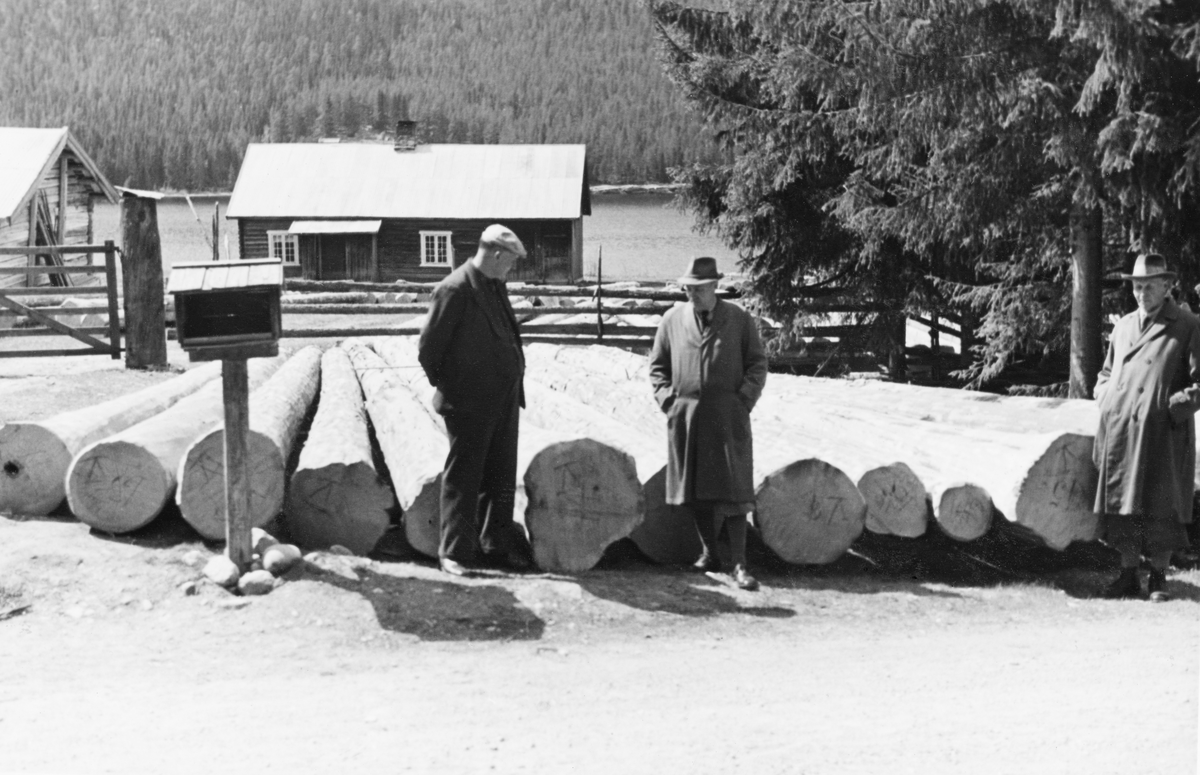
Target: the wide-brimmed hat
pixel 1148 266
pixel 502 237
pixel 701 270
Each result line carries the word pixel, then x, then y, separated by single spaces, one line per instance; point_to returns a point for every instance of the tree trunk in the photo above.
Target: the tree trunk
pixel 277 408
pixel 122 482
pixel 1087 269
pixel 336 496
pixel 579 473
pixel 36 455
pixel 412 439
pixel 142 280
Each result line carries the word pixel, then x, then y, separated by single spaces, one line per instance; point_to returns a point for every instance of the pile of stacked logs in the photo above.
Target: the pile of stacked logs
pixel 832 458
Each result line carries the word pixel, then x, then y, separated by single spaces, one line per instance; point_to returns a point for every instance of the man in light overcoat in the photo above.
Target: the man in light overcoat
pixel 1145 450
pixel 708 368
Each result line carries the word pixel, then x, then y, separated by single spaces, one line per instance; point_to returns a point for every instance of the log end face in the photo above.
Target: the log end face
pixel 582 496
pixel 667 534
pixel 201 492
pixel 339 504
pixel 117 487
pixel 964 511
pixel 809 512
pixel 33 467
pixel 897 503
pixel 1056 497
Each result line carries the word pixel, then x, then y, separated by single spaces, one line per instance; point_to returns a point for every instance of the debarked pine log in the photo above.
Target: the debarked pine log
pixel 336 496
pixel 412 439
pixel 1044 481
pixel 122 482
pixel 277 409
pixel 35 455
pixel 576 494
pixel 809 511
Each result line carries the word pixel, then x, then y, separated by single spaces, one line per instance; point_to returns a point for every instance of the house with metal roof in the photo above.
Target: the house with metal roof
pixel 48 189
pixel 408 211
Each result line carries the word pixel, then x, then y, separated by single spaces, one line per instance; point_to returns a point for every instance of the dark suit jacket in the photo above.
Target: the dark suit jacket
pixel 467 347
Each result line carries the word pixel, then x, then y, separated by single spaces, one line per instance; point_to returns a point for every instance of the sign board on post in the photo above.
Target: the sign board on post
pixel 229 311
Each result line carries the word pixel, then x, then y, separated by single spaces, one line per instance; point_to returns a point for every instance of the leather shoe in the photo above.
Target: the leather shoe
pixel 1125 587
pixel 743 579
pixel 454 568
pixel 1158 586
pixel 706 563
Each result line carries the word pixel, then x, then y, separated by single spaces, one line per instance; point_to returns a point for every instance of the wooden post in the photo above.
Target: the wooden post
pixel 30 279
pixel 216 224
pixel 235 384
pixel 145 308
pixel 114 315
pixel 935 349
pixel 599 294
pixel 62 201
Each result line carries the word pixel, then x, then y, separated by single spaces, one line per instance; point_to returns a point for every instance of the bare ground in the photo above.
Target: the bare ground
pixel 906 657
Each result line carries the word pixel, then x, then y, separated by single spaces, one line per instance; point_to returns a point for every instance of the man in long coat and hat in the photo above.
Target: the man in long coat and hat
pixel 1148 391
pixel 708 368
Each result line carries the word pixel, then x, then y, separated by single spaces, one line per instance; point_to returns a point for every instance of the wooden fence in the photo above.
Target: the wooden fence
pixel 35 298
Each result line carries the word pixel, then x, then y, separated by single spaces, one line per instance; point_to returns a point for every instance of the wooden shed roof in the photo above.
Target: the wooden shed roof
pixel 27 154
pixel 225 275
pixel 372 180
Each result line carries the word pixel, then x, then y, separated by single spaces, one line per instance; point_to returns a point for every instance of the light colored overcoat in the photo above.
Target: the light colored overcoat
pixel 1148 393
pixel 707 382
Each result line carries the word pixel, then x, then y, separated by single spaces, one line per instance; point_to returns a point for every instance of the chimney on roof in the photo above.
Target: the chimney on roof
pixel 406 136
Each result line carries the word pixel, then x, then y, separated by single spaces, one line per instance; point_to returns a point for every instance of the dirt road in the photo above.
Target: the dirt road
pixel 894 662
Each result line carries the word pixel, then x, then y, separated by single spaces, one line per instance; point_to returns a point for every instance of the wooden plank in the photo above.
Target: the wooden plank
pixel 62 199
pixel 114 317
pixel 50 322
pixel 58 311
pixel 18 333
pixel 50 269
pixel 21 251
pixel 49 353
pixel 215 278
pixel 86 290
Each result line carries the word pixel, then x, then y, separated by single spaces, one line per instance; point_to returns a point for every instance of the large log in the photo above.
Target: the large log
pixel 577 493
pixel 277 409
pixel 120 483
pixel 809 510
pixel 412 439
pixel 35 455
pixel 336 496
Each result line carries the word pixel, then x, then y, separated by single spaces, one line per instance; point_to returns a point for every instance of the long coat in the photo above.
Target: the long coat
pixel 470 345
pixel 1148 393
pixel 707 382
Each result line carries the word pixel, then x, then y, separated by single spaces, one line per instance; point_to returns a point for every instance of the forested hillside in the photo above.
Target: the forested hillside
pixel 167 93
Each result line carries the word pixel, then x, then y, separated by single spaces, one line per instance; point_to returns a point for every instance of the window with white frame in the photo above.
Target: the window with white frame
pixel 436 248
pixel 284 246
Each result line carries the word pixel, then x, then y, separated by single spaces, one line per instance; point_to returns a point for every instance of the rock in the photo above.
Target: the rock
pixel 280 558
pixel 189 588
pixel 261 540
pixel 194 558
pixel 256 582
pixel 339 549
pixel 232 603
pixel 221 571
pixel 146 605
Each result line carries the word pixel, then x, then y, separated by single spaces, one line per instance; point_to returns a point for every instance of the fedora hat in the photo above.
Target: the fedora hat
pixel 1148 266
pixel 701 270
pixel 502 237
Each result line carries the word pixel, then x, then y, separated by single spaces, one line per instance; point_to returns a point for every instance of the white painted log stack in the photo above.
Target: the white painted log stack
pixel 412 439
pixel 575 495
pixel 122 482
pixel 35 455
pixel 336 497
pixel 277 408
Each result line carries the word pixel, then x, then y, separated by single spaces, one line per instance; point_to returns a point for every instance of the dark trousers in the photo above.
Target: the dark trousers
pixel 479 482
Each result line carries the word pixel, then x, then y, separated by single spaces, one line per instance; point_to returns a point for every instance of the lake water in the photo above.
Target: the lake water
pixel 643 236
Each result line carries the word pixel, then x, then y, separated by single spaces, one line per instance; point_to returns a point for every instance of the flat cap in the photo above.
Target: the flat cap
pixel 502 237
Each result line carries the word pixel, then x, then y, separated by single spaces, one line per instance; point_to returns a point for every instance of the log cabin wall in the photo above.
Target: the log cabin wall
pixel 76 218
pixel 555 247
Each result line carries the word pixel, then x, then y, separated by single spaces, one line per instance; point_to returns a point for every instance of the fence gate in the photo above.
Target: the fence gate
pixel 61 288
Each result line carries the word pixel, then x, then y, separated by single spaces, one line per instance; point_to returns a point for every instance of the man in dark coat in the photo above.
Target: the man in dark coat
pixel 1146 444
pixel 708 369
pixel 470 349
